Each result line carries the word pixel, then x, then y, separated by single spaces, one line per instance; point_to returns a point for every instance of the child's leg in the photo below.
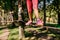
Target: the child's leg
pixel 35 8
pixel 29 7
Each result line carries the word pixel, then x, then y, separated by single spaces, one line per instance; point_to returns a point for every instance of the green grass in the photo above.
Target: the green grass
pixel 53 25
pixel 13 34
pixel 1 31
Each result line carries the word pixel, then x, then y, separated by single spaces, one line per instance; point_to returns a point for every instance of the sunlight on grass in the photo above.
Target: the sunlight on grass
pixel 1 32
pixel 52 35
pixel 13 34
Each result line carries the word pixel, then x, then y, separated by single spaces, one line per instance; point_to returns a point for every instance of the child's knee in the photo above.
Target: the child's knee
pixel 30 11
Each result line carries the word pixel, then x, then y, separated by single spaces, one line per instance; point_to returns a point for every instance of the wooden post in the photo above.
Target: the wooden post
pixel 3 13
pixel 21 31
pixel 2 17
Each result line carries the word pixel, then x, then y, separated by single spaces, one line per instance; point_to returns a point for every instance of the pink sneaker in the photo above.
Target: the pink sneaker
pixel 39 23
pixel 28 23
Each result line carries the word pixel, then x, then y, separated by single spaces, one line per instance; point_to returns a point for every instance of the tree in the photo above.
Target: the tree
pixel 44 12
pixel 56 4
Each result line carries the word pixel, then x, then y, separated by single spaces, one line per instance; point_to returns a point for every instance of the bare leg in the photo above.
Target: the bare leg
pixel 29 7
pixel 35 8
pixel 36 13
pixel 30 16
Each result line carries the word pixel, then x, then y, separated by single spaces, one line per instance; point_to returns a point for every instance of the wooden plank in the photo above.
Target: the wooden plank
pixel 52 27
pixel 27 29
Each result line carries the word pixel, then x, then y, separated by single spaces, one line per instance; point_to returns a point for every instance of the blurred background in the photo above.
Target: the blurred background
pixel 9 13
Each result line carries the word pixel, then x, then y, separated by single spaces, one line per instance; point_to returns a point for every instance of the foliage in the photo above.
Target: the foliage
pixel 7 4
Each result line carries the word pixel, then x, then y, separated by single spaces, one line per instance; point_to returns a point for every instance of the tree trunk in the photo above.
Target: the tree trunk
pixel 21 31
pixel 58 17
pixel 58 12
pixel 44 12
